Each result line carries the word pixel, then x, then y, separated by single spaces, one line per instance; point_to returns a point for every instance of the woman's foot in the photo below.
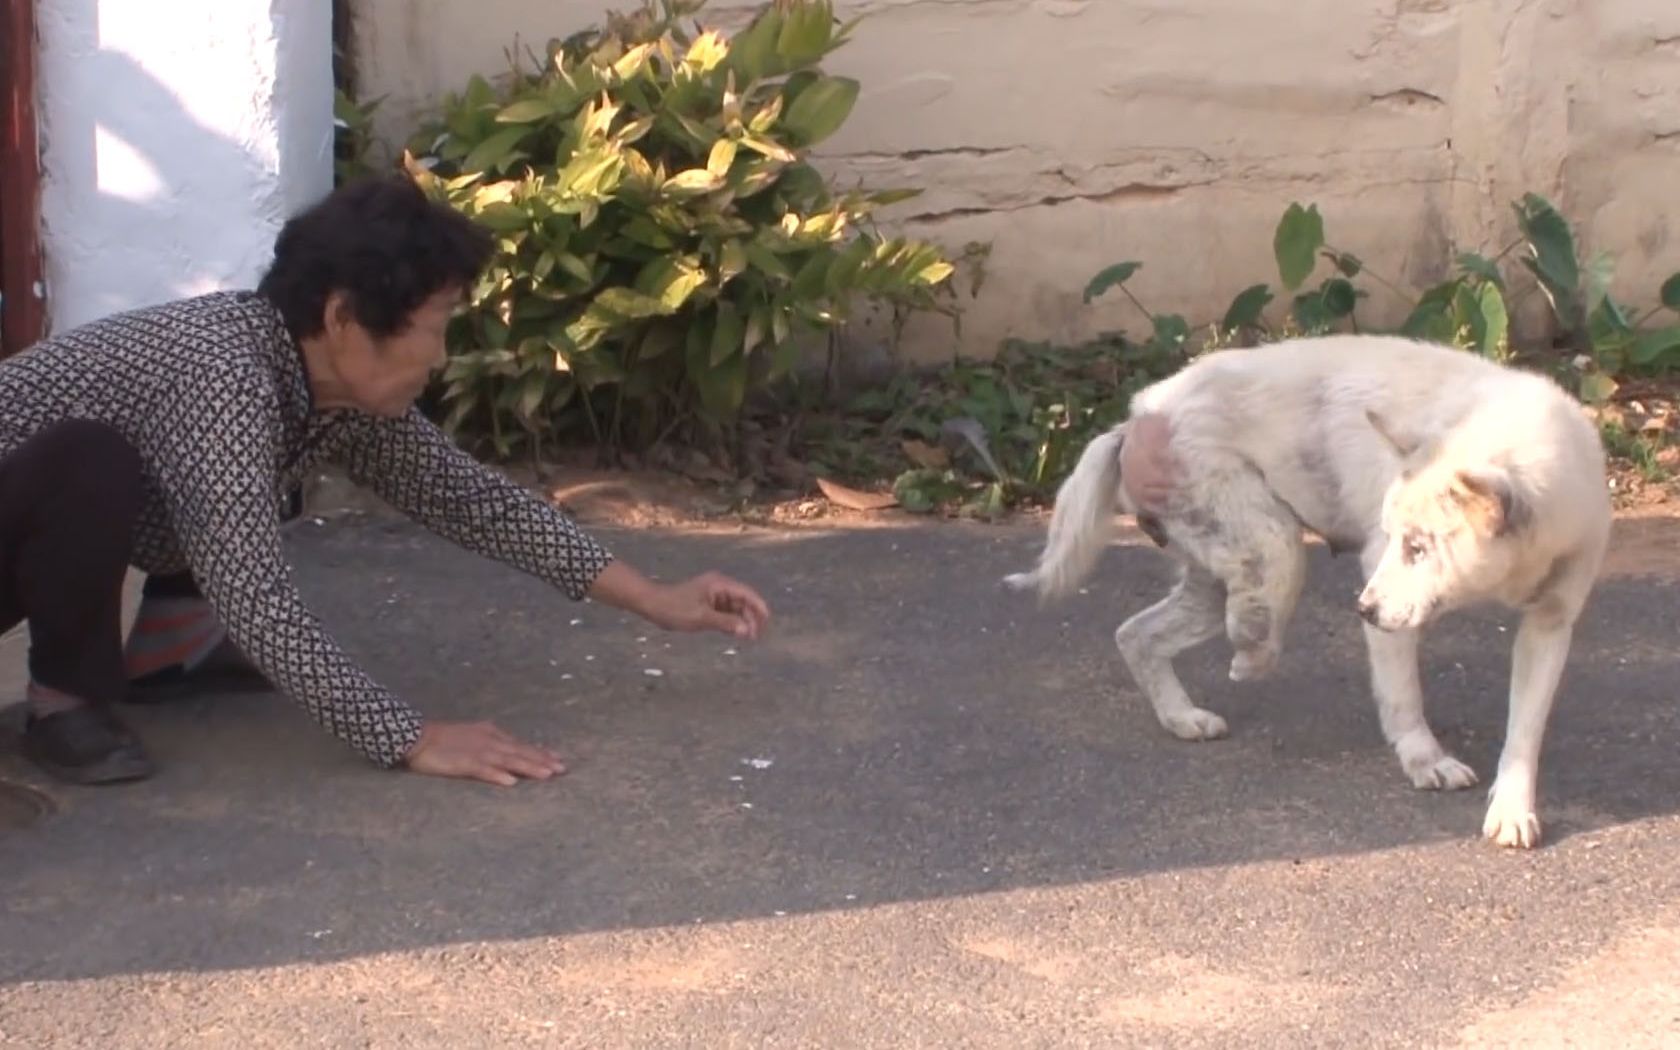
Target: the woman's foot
pixel 79 742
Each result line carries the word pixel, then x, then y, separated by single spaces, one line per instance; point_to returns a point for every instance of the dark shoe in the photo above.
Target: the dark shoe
pixel 224 671
pixel 85 745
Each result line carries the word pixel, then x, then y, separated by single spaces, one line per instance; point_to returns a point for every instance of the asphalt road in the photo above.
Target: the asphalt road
pixel 922 813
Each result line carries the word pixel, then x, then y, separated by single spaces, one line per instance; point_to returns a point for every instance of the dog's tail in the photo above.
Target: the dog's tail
pixel 1082 521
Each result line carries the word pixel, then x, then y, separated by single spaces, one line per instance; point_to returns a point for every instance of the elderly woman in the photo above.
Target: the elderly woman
pixel 168 438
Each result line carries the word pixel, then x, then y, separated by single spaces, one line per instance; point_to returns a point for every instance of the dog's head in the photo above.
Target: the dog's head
pixel 1452 528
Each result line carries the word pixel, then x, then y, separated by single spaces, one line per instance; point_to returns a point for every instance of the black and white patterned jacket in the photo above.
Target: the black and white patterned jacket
pixel 212 393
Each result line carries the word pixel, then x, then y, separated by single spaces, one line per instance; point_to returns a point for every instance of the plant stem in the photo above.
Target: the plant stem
pixel 1143 309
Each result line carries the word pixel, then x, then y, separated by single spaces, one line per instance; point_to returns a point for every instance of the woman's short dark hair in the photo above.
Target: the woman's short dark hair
pixel 384 244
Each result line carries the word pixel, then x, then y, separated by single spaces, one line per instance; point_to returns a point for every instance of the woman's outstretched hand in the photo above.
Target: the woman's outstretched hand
pixel 708 602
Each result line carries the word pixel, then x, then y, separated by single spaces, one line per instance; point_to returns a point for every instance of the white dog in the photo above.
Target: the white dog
pixel 1458 480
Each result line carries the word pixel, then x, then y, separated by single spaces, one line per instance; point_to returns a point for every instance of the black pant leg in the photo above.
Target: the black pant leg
pixel 69 500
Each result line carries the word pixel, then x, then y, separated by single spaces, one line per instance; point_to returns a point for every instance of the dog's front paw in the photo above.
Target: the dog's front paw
pixel 1511 820
pixel 1249 665
pixel 1194 724
pixel 1431 768
pixel 1445 774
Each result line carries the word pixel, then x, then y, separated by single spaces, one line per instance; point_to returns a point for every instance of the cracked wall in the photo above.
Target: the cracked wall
pixel 1076 133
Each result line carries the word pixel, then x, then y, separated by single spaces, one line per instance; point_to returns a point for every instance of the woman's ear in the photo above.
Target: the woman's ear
pixel 336 315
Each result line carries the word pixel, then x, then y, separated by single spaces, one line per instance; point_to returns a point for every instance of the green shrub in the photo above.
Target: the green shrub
pixel 1468 309
pixel 663 242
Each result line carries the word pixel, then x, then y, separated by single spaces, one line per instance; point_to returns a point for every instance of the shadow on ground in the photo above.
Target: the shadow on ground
pixel 909 732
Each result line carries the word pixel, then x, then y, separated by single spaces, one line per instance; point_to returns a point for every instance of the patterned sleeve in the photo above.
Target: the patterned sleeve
pixel 216 467
pixel 415 467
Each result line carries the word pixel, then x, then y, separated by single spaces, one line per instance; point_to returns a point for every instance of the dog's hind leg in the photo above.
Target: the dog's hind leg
pixel 1187 617
pixel 1251 542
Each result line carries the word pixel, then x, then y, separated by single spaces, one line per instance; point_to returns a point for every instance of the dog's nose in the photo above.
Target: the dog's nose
pixel 1367 610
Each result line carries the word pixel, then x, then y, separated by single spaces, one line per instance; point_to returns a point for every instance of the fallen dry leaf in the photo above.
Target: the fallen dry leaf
pixel 852 499
pixel 925 455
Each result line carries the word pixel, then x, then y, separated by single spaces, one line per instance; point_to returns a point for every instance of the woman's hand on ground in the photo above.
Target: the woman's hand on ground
pixel 479 751
pixel 708 602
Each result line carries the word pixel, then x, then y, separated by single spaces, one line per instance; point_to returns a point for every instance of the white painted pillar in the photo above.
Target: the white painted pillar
pixel 176 138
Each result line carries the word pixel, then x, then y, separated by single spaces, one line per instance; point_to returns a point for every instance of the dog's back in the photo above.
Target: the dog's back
pixel 1300 410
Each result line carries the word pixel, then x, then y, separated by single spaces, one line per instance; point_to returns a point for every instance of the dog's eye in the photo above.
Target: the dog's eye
pixel 1413 550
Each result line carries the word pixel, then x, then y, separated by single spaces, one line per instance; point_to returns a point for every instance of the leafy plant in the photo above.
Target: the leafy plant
pixel 975 438
pixel 663 244
pixel 354 143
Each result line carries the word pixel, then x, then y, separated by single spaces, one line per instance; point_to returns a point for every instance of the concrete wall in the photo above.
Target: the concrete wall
pixel 175 139
pixel 1076 133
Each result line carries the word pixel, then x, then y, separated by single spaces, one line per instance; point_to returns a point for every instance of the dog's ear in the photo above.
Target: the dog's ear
pixel 1402 448
pixel 1490 501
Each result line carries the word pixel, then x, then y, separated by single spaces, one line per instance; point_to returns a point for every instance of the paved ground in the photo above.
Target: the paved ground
pixel 922 814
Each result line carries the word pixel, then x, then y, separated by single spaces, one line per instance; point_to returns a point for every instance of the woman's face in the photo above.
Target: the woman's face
pixel 384 377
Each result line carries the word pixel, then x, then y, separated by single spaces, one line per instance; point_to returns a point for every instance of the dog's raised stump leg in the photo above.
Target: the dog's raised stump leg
pixel 1189 616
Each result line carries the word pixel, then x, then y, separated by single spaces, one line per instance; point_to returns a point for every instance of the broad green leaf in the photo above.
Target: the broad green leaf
pixel 723 388
pixel 1495 325
pixel 1171 332
pixel 1658 347
pixel 752 52
pixel 1472 263
pixel 1110 277
pixel 932 273
pixel 820 109
pixel 1311 313
pixel 707 52
pixel 575 267
pixel 531 396
pixel 692 183
pixel 884 198
pixel 495 150
pixel 722 156
pixel 767 262
pixel 1247 308
pixel 634 132
pixel 731 260
pixel 1609 328
pixel 671 280
pixel 1432 319
pixel 1552 258
pixel 1299 236
pixel 628 303
pixel 758 328
pixel 766 117
pixel 525 111
pixel 1597 388
pixel 660 339
pixel 1596 281
pixel 728 332
pixel 503 217
pixel 784 358
pixel 806 30
pixel 1671 293
pixel 1339 297
pixel 773 150
pixel 632 62
pixel 808 284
